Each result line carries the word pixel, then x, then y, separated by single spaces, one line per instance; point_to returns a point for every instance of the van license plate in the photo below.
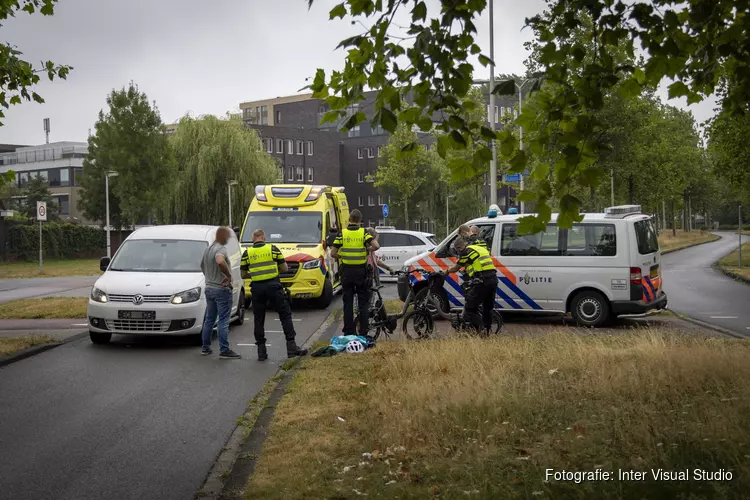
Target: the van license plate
pixel 136 314
pixel 654 271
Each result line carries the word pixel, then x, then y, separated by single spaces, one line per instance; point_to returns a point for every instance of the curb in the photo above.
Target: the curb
pixel 718 237
pixel 38 349
pixel 238 457
pixel 709 326
pixel 729 274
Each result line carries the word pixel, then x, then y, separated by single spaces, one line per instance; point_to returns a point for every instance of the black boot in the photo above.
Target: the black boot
pixel 293 350
pixel 262 352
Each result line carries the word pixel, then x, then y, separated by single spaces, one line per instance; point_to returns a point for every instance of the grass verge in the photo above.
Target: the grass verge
pixel 46 308
pixel 683 239
pixel 9 345
pixel 52 269
pixel 730 263
pixel 485 418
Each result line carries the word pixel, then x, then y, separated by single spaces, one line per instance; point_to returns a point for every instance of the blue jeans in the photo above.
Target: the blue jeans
pixel 218 302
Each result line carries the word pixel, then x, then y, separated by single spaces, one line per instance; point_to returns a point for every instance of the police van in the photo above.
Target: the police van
pixel 397 246
pixel 607 265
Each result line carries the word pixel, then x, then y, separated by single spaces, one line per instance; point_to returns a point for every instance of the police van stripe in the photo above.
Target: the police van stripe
pixel 513 288
pixel 452 294
pixel 512 303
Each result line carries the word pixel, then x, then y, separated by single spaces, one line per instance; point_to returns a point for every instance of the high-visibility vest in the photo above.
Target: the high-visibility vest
pixel 353 251
pixel 476 240
pixel 260 263
pixel 483 262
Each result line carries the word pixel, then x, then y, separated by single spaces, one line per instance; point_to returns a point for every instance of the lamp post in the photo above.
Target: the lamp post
pixel 493 162
pixel 229 189
pixel 109 174
pixel 520 128
pixel 447 205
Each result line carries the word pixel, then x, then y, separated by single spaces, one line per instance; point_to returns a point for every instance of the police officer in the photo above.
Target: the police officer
pixel 477 261
pixel 262 263
pixel 351 248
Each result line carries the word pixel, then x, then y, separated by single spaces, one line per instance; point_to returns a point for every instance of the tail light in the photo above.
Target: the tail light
pixel 635 276
pixel 260 193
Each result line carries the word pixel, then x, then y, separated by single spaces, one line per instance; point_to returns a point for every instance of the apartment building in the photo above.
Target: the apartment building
pixel 60 164
pixel 266 111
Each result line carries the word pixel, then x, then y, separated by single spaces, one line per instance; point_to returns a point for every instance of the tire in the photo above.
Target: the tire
pixel 440 297
pixel 497 323
pixel 240 310
pixel 590 308
pixel 417 325
pixel 100 338
pixel 327 296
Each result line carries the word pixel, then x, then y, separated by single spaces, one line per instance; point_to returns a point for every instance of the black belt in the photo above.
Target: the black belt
pixel 487 274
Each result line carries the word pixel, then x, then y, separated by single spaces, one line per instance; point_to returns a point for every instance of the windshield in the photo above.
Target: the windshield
pixel 645 235
pixel 284 227
pixel 166 256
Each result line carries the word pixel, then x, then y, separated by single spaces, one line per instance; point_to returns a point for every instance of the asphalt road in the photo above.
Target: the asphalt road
pixel 131 420
pixel 696 290
pixel 76 286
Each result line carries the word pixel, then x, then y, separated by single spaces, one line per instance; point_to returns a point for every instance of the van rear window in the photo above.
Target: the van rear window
pixel 645 236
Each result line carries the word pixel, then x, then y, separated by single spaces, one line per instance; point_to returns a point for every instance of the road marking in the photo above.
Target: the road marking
pixel 723 317
pixel 252 345
pixel 294 319
pixel 274 331
pixel 80 324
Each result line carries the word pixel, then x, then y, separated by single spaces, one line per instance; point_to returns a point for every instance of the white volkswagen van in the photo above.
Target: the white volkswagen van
pixel 605 266
pixel 154 284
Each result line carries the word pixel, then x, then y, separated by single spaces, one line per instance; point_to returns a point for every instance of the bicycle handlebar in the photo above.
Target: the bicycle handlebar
pixel 417 270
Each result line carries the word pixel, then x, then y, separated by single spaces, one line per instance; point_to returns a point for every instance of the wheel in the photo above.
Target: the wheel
pixel 327 296
pixel 590 308
pixel 417 325
pixel 240 310
pixel 497 323
pixel 441 299
pixel 100 338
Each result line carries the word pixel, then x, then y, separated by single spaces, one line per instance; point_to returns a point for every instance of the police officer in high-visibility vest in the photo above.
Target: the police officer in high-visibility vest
pixel 477 261
pixel 262 263
pixel 350 247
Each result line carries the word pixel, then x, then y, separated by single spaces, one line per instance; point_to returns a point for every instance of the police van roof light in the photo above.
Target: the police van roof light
pixel 260 193
pixel 621 211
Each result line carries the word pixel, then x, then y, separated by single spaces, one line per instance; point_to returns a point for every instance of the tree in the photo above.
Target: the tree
pixel 36 190
pixel 728 143
pixel 130 140
pixel 210 152
pixel 701 45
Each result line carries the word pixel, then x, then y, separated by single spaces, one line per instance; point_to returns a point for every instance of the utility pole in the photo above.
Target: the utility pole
pixel 493 162
pixel 739 230
pixel 229 189
pixel 520 133
pixel 106 198
pixel 612 187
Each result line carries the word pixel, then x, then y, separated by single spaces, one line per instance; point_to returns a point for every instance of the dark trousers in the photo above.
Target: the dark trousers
pixel 354 282
pixel 481 294
pixel 270 291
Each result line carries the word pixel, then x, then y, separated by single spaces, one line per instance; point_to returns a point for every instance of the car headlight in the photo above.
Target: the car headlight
pixel 311 264
pixel 98 296
pixel 192 295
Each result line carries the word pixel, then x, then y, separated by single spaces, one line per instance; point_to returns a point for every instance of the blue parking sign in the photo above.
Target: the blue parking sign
pixel 386 211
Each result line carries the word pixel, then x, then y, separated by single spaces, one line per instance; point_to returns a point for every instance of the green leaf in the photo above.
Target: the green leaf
pixel 629 88
pixel 419 13
pixel 507 146
pixel 678 89
pixel 518 162
pixel 475 49
pixel 15 100
pixel 461 169
pixel 425 124
pixel 444 143
pixel 458 138
pixel 531 225
pixel 484 60
pixel 640 76
pixel 330 117
pixel 569 211
pixel 338 11
pixel 540 172
pixel 505 87
pixel 410 115
pixel 388 120
pixel 488 134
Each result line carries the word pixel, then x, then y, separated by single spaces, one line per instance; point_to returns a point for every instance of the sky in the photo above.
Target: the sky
pixel 198 57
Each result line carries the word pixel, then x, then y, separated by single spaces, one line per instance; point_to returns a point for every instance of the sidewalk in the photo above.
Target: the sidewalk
pixel 59 329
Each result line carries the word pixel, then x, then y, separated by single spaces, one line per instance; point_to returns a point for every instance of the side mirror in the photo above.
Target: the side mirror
pixel 104 263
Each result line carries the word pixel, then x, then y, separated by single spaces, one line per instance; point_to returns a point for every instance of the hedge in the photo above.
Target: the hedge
pixel 60 240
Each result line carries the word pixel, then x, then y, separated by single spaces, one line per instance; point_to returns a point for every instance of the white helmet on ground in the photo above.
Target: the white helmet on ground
pixel 355 346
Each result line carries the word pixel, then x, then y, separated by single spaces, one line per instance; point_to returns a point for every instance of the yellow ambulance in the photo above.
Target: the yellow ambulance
pixel 301 220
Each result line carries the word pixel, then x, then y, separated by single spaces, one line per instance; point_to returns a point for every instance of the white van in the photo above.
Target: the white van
pixel 605 266
pixel 154 284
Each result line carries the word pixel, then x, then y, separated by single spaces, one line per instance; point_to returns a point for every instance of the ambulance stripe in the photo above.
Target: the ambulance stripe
pixel 513 288
pixel 512 303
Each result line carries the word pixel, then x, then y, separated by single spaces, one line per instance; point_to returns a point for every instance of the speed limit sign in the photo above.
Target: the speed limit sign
pixel 41 210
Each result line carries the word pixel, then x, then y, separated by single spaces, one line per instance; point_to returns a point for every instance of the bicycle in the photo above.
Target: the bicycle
pixel 381 323
pixel 430 302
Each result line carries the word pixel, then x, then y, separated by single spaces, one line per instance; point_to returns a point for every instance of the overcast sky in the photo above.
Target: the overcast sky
pixel 200 57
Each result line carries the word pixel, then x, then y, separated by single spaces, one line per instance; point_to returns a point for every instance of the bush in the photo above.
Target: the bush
pixel 60 240
pixel 733 227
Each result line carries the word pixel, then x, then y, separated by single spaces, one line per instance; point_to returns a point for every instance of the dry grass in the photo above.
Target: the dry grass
pixel 9 345
pixel 52 269
pixel 46 308
pixel 731 261
pixel 669 243
pixel 484 418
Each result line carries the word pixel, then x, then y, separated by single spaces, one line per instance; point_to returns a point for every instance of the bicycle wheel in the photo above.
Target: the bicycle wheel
pixel 497 323
pixel 417 324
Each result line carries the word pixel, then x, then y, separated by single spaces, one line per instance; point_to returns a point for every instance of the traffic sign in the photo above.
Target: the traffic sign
pixel 512 177
pixel 386 210
pixel 41 210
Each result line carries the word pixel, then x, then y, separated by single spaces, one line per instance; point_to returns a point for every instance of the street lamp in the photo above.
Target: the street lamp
pixel 520 128
pixel 229 189
pixel 492 117
pixel 109 174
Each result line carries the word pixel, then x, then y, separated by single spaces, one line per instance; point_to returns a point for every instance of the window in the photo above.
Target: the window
pixel 290 174
pixel 381 222
pixel 394 240
pixel 377 130
pixel 64 203
pixel 645 236
pixel 370 201
pixel 538 244
pixel 360 178
pixel 23 179
pixel 369 223
pixel 290 147
pixel 279 145
pixel 43 174
pixel 380 150
pixel 300 148
pixel 486 232
pixel 416 225
pixel 370 153
pixel 300 174
pixel 354 132
pixel 380 200
pixel 269 145
pixel 416 242
pixel 309 174
pixel 359 153
pixel 361 201
pixel 590 240
pixel 309 148
pixel 369 178
pixel 77 173
pixel 278 117
pixel 64 177
pixel 426 147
